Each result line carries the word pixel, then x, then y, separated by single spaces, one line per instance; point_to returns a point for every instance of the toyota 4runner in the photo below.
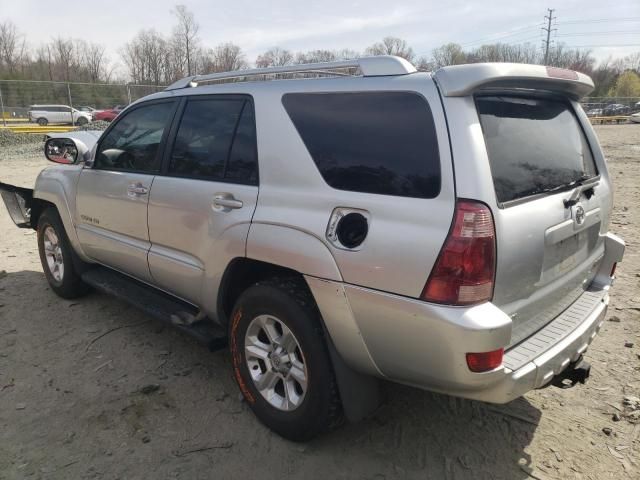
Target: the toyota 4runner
pixel 447 231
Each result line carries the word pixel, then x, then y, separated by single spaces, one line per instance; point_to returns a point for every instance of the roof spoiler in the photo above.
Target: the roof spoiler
pixel 462 80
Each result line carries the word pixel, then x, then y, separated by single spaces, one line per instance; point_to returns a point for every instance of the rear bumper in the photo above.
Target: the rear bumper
pixel 424 345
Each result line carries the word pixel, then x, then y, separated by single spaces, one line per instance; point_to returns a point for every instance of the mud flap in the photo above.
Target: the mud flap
pixel 360 394
pixel 18 202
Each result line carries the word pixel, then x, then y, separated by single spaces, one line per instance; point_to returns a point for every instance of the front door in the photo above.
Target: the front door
pixel 201 206
pixel 113 195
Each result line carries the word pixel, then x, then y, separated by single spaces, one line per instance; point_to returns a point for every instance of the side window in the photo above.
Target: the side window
pixel 243 159
pixel 132 144
pixel 372 142
pixel 216 141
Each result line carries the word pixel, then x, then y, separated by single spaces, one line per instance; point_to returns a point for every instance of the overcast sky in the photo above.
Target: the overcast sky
pixel 304 25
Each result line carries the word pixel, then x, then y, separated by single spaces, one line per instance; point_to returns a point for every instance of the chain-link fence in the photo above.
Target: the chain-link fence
pixel 610 106
pixel 17 96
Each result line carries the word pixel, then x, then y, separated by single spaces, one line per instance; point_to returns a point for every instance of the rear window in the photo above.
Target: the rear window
pixel 534 145
pixel 373 142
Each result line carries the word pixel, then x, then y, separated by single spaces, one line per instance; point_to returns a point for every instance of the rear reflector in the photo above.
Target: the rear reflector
pixel 613 269
pixel 465 269
pixel 485 361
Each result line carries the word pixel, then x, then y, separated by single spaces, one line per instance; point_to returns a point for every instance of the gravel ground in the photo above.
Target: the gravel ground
pixel 73 402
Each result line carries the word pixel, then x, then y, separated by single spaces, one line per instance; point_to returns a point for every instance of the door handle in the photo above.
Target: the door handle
pixel 224 202
pixel 137 189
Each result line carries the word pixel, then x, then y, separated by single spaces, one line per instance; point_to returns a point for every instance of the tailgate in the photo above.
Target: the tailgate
pixel 551 204
pixel 18 202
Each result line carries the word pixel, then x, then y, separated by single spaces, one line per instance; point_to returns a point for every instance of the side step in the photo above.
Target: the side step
pixel 157 304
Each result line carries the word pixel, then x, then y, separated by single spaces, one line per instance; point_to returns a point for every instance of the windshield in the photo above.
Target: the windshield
pixel 534 145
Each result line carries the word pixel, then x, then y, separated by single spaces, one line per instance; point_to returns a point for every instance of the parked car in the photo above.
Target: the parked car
pixel 45 114
pixel 87 109
pixel 594 112
pixel 318 227
pixel 109 114
pixel 635 118
pixel 616 109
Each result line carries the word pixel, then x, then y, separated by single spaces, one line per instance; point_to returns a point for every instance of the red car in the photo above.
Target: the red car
pixel 109 114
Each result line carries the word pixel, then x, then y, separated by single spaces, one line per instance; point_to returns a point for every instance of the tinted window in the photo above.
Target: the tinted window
pixel 534 145
pixel 216 141
pixel 379 142
pixel 132 143
pixel 243 161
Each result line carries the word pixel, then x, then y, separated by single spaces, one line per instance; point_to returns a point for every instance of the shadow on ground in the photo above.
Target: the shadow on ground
pixel 92 421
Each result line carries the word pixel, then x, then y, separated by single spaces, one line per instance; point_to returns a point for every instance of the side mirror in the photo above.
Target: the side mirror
pixel 67 151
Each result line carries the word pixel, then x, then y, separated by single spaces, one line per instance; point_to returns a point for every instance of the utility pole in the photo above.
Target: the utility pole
pixel 548 29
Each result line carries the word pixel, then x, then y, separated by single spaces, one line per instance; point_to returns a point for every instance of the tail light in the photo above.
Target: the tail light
pixel 485 361
pixel 613 269
pixel 465 270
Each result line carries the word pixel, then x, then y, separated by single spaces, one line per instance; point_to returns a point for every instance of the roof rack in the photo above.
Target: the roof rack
pixel 382 65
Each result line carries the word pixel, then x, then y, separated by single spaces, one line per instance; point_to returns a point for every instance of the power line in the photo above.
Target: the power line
pixel 548 29
pixel 601 20
pixel 502 35
pixel 606 45
pixel 582 34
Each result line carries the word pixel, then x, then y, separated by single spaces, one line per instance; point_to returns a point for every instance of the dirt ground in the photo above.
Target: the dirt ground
pixel 73 402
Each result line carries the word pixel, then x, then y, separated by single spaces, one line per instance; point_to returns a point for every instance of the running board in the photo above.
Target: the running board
pixel 161 306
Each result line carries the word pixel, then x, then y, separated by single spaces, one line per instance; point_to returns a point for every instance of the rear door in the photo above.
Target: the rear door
pixel 112 197
pixel 201 206
pixel 548 229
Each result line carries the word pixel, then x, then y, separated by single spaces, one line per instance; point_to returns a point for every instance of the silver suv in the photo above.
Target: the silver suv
pixel 447 231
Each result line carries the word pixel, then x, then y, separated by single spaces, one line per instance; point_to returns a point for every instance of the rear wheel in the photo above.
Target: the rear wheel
pixel 43 122
pixel 281 362
pixel 56 257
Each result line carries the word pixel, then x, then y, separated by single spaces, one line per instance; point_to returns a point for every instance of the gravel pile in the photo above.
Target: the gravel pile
pixel 99 125
pixel 10 139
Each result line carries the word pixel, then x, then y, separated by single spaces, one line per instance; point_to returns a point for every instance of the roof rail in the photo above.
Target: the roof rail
pixel 382 65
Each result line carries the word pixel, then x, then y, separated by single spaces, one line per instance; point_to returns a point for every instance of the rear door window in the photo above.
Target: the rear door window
pixel 372 142
pixel 216 140
pixel 534 145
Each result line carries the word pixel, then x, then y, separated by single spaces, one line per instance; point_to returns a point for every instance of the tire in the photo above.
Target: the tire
pixel 56 256
pixel 42 121
pixel 307 411
pixel 82 121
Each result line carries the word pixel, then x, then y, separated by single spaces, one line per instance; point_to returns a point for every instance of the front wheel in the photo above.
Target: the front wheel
pixel 281 362
pixel 82 121
pixel 43 122
pixel 56 257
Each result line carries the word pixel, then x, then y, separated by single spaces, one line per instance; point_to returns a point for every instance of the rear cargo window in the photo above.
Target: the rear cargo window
pixel 534 145
pixel 373 142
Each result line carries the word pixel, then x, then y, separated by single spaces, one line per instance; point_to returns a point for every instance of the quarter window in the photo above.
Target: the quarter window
pixel 132 144
pixel 373 142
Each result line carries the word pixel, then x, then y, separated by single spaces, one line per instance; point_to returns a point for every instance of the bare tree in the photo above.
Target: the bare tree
pixel 186 36
pixel 12 46
pixel 392 46
pixel 449 54
pixel 227 57
pixel 275 57
pixel 316 56
pixel 94 60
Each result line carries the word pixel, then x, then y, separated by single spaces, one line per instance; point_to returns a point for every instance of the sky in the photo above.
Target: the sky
pixel 607 28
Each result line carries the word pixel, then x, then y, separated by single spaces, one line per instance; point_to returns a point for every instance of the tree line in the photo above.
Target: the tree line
pixel 155 58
